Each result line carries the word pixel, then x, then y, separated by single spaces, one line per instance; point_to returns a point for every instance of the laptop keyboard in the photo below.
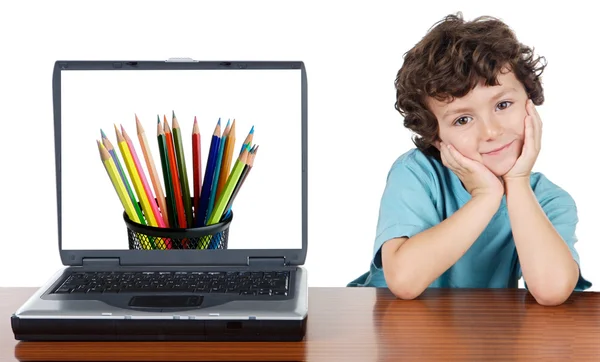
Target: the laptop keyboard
pixel 242 283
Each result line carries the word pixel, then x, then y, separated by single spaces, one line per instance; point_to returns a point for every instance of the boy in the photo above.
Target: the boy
pixel 464 210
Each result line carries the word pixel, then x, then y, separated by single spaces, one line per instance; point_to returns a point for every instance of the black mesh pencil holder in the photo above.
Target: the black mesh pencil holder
pixel 144 237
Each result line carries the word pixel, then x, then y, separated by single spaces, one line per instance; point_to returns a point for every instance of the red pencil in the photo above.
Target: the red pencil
pixel 197 160
pixel 174 175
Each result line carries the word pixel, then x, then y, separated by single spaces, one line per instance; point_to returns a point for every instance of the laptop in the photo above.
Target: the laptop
pixel 252 285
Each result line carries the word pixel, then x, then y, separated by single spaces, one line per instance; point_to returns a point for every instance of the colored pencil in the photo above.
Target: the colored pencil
pixel 158 190
pixel 181 167
pixel 232 180
pixel 213 189
pixel 181 218
pixel 202 215
pixel 111 150
pixel 164 161
pixel 117 182
pixel 227 156
pixel 158 220
pixel 238 186
pixel 248 140
pixel 197 164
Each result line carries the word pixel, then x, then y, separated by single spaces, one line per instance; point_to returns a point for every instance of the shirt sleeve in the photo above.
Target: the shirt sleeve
pixel 407 205
pixel 561 210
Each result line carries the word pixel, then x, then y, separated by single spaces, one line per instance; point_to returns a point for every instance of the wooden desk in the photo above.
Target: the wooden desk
pixel 347 324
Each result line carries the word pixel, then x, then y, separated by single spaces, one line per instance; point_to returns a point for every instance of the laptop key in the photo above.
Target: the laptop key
pixel 244 282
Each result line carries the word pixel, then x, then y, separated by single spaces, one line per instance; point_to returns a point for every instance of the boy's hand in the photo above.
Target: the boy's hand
pixel 477 179
pixel 532 143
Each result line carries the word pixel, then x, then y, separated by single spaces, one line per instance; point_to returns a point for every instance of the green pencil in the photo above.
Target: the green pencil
pixel 232 180
pixel 164 161
pixel 183 179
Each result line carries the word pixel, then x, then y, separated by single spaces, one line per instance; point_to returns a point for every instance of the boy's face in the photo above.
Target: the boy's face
pixel 488 124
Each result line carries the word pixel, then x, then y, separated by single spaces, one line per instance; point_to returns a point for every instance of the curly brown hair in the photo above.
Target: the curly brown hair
pixel 453 57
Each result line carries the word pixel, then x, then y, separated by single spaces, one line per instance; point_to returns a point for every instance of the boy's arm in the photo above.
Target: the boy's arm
pixel 548 267
pixel 410 265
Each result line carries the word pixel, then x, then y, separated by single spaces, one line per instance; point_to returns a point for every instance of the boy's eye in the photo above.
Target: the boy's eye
pixel 462 121
pixel 503 105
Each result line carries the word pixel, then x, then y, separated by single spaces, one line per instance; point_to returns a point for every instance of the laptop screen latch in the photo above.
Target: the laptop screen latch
pixel 266 261
pixel 100 261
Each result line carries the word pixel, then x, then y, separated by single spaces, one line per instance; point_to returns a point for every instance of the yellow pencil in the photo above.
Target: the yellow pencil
pixel 117 182
pixel 135 178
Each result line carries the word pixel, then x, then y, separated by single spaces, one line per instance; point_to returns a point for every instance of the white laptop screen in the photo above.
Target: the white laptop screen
pixel 268 205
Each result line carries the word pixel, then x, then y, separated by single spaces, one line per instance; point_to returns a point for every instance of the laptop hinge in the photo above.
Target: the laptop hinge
pixel 100 261
pixel 266 261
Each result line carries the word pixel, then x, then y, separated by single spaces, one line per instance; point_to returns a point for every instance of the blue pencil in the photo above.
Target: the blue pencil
pixel 248 140
pixel 213 190
pixel 208 177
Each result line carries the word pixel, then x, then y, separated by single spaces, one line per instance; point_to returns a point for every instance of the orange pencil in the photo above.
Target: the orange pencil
pixel 181 218
pixel 227 156
pixel 160 195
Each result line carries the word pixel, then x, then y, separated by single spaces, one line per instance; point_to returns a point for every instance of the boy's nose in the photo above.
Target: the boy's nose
pixel 492 129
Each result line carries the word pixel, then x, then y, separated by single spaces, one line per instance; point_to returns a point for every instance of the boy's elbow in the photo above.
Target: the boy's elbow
pixel 552 295
pixel 551 300
pixel 404 289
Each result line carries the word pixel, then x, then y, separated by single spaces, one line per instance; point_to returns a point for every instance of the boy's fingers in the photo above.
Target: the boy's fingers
pixel 460 160
pixel 452 164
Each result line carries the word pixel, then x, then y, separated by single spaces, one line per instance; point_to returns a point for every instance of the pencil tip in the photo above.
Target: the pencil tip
pixel 195 121
pixel 252 130
pixel 219 121
pixel 227 125
pixel 102 133
pixel 158 118
pixel 173 114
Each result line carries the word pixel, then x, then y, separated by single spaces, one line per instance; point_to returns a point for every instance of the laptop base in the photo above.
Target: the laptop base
pixel 27 329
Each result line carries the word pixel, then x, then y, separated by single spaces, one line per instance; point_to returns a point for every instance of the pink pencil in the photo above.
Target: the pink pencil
pixel 138 165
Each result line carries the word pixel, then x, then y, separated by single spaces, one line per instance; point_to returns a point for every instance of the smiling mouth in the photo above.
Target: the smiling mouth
pixel 499 150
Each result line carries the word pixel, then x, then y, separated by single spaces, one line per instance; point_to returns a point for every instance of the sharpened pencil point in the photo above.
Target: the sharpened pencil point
pixel 195 121
pixel 227 125
pixel 102 133
pixel 252 130
pixel 219 121
pixel 158 119
pixel 173 114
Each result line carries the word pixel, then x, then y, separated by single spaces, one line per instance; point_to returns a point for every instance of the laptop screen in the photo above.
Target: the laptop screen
pixel 265 210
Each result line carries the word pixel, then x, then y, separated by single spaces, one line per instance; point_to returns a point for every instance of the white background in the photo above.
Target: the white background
pixel 267 207
pixel 352 52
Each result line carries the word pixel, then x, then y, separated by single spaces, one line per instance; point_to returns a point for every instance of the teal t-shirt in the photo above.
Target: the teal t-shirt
pixel 421 192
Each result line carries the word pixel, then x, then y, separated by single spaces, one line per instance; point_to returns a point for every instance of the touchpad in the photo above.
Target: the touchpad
pixel 166 301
